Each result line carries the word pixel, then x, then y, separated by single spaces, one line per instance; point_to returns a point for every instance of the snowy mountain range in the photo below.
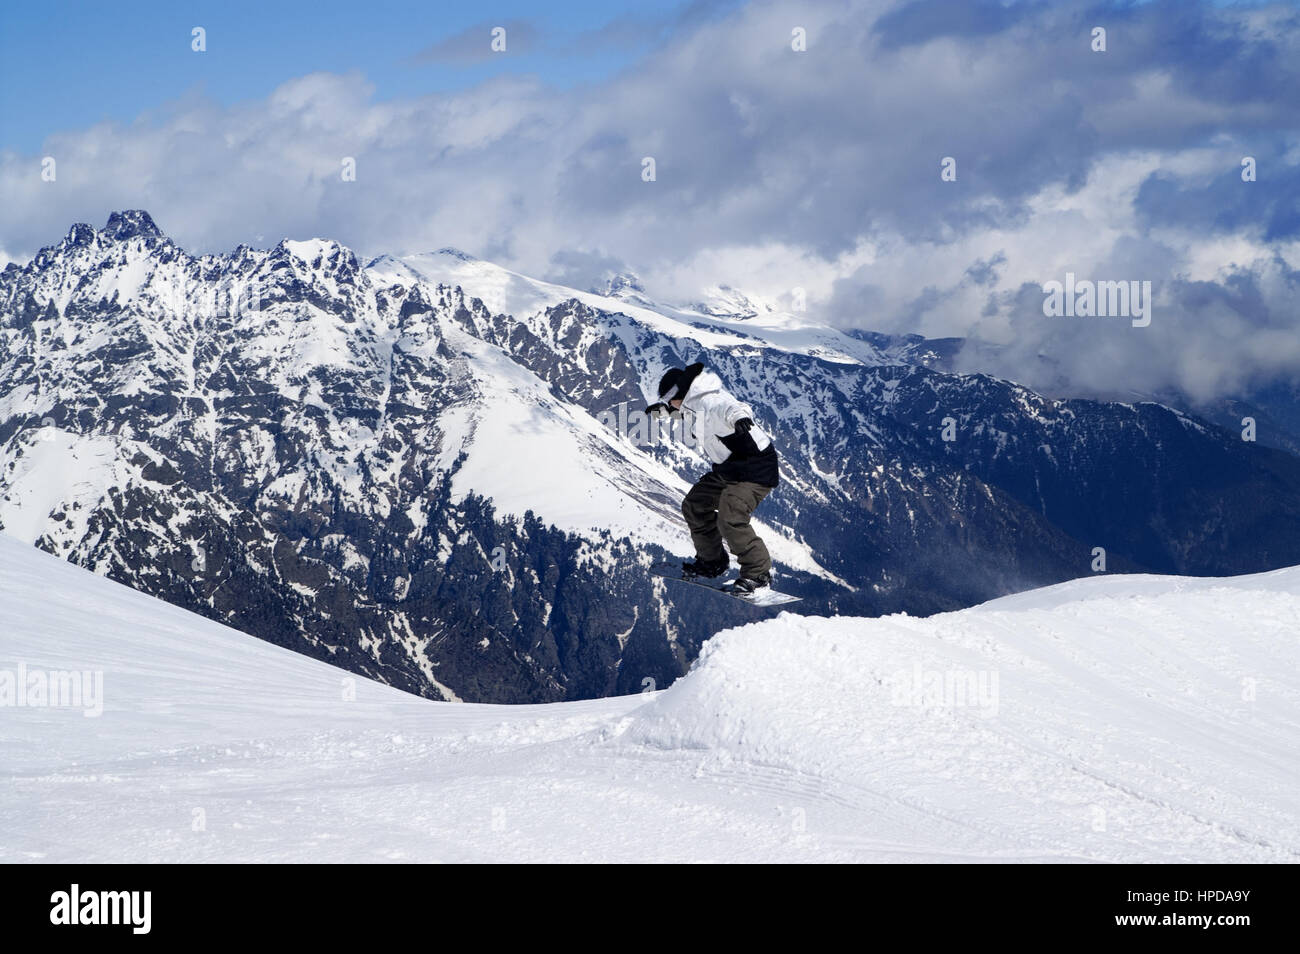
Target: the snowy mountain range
pixel 1103 720
pixel 430 469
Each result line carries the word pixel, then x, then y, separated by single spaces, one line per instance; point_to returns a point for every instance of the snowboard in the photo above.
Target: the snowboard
pixel 765 597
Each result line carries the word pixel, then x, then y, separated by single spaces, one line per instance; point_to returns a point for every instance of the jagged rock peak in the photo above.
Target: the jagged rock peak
pixel 80 234
pixel 129 224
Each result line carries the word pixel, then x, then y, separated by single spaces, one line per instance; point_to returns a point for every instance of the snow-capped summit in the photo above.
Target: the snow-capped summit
pixel 621 285
pixel 316 251
pixel 723 301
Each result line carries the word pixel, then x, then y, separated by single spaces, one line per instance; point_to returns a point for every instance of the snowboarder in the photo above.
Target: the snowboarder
pixel 744 471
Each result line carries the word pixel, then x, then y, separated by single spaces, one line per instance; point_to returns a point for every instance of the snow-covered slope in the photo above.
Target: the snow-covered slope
pixel 1132 719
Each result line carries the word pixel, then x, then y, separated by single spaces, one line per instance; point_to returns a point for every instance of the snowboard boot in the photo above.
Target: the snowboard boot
pixel 706 568
pixel 746 585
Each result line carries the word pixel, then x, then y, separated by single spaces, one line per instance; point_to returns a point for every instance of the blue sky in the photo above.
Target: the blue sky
pixel 67 65
pixel 777 168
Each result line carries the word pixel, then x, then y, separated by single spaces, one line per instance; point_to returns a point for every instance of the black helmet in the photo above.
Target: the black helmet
pixel 677 381
pixel 674 384
pixel 669 382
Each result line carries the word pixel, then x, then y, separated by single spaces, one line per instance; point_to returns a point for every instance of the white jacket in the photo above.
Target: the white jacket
pixel 714 414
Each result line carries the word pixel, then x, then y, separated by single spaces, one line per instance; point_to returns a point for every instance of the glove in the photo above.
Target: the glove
pixel 743 425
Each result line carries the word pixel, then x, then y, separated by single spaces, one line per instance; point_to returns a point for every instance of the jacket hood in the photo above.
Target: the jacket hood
pixel 705 382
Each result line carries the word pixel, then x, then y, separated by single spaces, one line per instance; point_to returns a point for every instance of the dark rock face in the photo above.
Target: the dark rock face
pixel 277 441
pixel 134 223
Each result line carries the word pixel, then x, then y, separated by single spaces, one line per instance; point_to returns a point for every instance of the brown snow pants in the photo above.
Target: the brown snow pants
pixel 717 510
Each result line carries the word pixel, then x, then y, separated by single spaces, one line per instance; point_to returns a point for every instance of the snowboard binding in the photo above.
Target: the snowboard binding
pixel 705 569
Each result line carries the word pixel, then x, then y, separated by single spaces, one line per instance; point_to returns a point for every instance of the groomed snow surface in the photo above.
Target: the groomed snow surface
pixel 1111 719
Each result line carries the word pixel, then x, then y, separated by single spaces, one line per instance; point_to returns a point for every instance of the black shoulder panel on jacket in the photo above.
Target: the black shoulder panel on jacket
pixel 761 468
